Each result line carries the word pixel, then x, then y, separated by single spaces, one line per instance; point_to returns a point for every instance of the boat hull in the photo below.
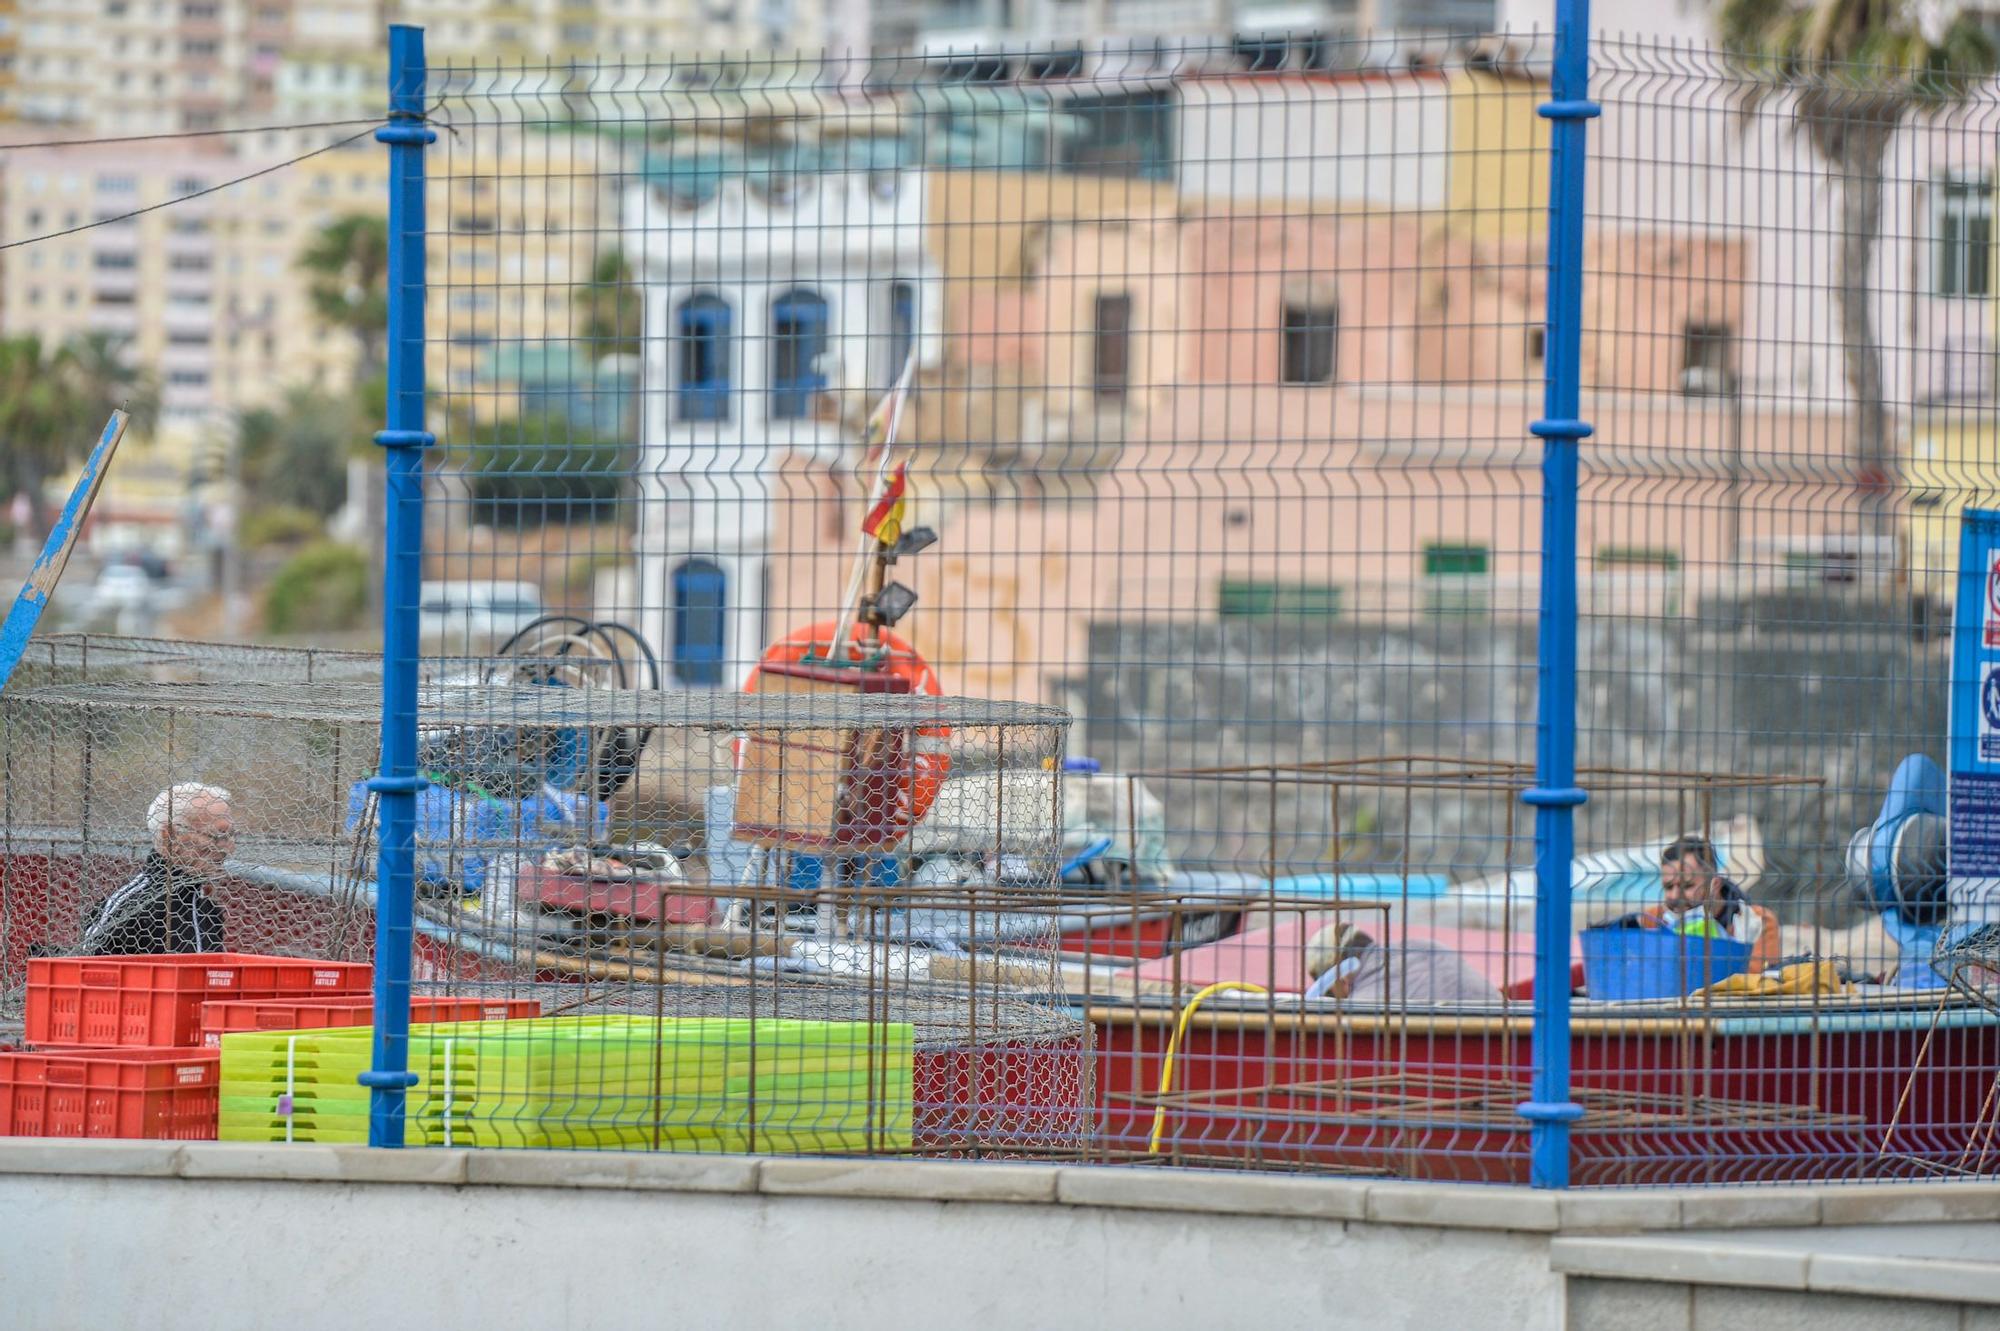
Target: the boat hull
pixel 1762 1099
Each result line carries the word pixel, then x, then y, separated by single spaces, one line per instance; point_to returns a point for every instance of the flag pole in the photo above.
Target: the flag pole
pixel 898 395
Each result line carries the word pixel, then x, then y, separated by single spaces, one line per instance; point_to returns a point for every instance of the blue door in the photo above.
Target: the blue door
pixel 701 622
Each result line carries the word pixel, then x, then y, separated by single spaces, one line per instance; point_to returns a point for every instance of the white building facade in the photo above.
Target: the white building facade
pixel 775 306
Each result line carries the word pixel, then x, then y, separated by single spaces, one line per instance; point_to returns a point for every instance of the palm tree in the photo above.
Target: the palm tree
pixel 53 401
pixel 293 455
pixel 106 379
pixel 39 434
pixel 608 309
pixel 1855 70
pixel 347 280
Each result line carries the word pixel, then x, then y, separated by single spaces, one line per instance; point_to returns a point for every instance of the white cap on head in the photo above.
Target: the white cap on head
pixel 171 806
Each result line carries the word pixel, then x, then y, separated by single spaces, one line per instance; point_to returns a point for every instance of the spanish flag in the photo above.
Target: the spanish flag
pixel 885 519
pixel 880 432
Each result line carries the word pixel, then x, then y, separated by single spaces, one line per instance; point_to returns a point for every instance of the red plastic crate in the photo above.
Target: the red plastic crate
pixel 218 1018
pixel 155 1002
pixel 161 1094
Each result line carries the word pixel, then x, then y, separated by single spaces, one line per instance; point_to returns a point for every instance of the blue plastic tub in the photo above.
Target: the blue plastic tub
pixel 1621 962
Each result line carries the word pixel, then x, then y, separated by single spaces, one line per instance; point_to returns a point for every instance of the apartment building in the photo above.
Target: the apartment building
pixel 207 291
pixel 518 218
pixel 10 40
pixel 1004 39
pixel 159 65
pixel 539 32
pixel 148 66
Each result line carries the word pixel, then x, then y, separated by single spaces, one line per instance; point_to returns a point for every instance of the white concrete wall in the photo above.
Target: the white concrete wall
pixel 164 1236
pixel 162 1253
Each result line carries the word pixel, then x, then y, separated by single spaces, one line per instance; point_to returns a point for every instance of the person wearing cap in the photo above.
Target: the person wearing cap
pixel 1698 901
pixel 166 906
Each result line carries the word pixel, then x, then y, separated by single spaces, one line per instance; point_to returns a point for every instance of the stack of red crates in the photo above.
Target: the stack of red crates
pixel 300 1014
pixel 115 1043
pixel 130 1046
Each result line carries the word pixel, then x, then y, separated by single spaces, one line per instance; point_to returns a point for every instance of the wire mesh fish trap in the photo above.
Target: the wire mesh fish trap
pixel 125 800
pixel 819 829
pixel 72 658
pixel 1970 964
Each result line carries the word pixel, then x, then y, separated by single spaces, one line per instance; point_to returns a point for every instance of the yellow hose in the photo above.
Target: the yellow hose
pixel 1173 1046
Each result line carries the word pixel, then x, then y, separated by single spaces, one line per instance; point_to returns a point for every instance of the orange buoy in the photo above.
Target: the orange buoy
pixel 930 762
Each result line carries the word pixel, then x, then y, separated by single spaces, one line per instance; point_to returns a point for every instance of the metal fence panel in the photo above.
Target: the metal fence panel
pixel 1164 431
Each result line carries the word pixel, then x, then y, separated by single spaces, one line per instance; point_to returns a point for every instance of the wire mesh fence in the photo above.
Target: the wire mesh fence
pixel 880 1031
pixel 1176 406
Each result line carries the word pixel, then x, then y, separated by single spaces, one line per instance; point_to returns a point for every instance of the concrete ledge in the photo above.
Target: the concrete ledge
pixel 613 1170
pixel 1948 1262
pixel 1457 1206
pixel 1906 1203
pixel 908 1180
pixel 585 1238
pixel 1905 1278
pixel 1677 1262
pixel 1668 1213
pixel 311 1162
pixel 126 1159
pixel 1622 1212
pixel 1212 1191
pixel 1748 1208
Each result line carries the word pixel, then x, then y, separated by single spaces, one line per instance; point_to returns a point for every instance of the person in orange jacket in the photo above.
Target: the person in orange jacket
pixel 1696 899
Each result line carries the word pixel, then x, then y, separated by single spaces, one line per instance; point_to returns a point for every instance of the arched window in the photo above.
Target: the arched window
pixel 798 339
pixel 703 325
pixel 701 622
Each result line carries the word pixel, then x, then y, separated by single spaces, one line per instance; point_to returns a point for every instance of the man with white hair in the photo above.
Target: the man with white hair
pixel 165 907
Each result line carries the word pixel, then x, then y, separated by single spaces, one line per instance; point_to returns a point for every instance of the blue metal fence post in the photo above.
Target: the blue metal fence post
pixel 396 783
pixel 1555 794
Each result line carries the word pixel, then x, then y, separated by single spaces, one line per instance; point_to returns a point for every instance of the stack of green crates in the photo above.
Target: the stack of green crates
pixel 693 1084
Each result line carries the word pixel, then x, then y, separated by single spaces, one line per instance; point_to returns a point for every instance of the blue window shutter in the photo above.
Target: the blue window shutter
pixel 704 328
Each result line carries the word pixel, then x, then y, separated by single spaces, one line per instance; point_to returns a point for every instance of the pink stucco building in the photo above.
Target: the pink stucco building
pixel 1257 412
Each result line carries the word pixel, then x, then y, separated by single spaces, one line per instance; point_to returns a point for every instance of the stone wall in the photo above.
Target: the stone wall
pixel 1840 704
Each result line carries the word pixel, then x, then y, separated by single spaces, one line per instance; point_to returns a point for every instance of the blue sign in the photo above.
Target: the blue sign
pixel 1975 709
